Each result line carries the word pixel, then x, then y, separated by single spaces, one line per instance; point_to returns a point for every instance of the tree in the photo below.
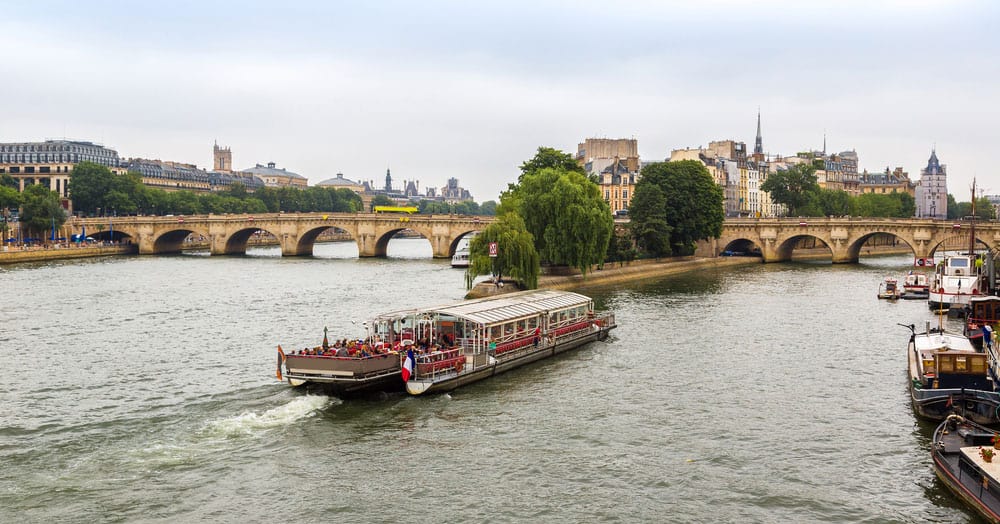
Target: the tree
pixel 649 220
pixel 381 200
pixel 41 210
pixel 516 255
pixel 488 208
pixel 833 202
pixel 953 211
pixel 689 201
pixel 8 181
pixel 89 185
pixel 550 157
pixel 565 214
pixel 9 198
pixel 792 187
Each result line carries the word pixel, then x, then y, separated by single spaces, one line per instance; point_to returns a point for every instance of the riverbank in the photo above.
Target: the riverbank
pixel 16 256
pixel 616 273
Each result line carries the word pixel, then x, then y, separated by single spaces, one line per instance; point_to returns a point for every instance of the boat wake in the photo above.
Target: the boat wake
pixel 249 423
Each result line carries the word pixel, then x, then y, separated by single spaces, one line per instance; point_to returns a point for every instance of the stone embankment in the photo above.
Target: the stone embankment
pixel 617 273
pixel 15 256
pixel 642 269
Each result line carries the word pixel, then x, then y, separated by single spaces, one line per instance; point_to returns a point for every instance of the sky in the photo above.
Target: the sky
pixel 441 89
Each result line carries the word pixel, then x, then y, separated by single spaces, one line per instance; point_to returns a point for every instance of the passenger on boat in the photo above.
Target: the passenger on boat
pixel 538 335
pixel 988 336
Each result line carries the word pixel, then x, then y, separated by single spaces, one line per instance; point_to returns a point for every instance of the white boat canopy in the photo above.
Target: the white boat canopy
pixel 512 306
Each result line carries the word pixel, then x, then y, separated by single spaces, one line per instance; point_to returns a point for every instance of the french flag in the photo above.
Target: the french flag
pixel 408 366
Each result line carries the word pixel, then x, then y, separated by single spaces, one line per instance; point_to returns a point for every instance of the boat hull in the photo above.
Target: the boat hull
pixel 979 406
pixel 968 481
pixel 497 366
pixel 345 377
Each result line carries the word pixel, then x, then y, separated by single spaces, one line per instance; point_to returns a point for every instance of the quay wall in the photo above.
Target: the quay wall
pixel 45 255
pixel 615 273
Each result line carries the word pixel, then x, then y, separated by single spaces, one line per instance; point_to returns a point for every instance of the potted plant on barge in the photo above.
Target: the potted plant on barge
pixel 987 454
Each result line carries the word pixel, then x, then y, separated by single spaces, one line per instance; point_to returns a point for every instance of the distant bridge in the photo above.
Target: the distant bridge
pixel 776 238
pixel 296 233
pixel 845 237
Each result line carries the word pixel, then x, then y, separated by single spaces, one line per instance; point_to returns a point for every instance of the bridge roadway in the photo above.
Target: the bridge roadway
pixel 296 232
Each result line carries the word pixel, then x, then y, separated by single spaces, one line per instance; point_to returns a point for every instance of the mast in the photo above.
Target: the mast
pixel 972 227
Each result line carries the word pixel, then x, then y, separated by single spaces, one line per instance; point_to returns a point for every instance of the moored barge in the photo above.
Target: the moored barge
pixel 949 376
pixel 967 461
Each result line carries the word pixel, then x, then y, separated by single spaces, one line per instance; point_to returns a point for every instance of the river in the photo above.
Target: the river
pixel 142 389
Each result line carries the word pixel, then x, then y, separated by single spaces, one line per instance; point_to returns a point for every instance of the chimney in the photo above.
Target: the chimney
pixel 270 165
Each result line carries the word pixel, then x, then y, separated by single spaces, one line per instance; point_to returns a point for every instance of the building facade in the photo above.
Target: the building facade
pixel 274 176
pixel 932 190
pixel 170 176
pixel 895 181
pixel 51 162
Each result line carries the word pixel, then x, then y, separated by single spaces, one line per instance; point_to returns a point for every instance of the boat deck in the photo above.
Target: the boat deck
pixel 960 466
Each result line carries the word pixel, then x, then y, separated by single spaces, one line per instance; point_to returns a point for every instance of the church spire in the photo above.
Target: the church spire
pixel 758 146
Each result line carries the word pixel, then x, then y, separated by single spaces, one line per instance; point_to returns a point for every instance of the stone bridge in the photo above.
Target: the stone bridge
pixel 296 232
pixel 777 237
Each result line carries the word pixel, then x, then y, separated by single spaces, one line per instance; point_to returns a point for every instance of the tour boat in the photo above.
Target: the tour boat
pixel 967 461
pixel 889 289
pixel 499 333
pixel 947 375
pixel 983 313
pixel 341 375
pixel 460 258
pixel 955 282
pixel 915 285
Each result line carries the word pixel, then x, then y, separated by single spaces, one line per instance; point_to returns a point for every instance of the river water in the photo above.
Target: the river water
pixel 142 389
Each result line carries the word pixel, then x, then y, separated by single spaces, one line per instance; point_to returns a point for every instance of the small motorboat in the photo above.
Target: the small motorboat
pixel 915 286
pixel 889 289
pixel 967 461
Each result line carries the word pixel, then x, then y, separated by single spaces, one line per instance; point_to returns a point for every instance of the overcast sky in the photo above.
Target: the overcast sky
pixel 439 89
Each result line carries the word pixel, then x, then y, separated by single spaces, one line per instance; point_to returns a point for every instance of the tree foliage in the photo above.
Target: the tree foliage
pixel 41 210
pixel 565 214
pixel 8 181
pixel 649 220
pixel 550 157
pixel 10 198
pixel 984 209
pixel 516 255
pixel 681 205
pixel 894 205
pixel 794 187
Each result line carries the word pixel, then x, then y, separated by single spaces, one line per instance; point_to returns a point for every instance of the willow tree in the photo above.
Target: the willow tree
pixel 564 212
pixel 516 256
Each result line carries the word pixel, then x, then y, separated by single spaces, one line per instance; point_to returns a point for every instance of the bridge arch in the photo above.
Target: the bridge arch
pixel 307 239
pixel 237 241
pixel 957 242
pixel 785 247
pixel 854 248
pixel 453 247
pixel 740 246
pixel 381 247
pixel 172 240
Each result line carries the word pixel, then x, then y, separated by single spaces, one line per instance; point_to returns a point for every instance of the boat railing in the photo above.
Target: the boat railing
pixel 439 362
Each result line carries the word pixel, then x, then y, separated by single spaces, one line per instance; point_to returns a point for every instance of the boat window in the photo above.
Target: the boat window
pixel 958 262
pixel 960 364
pixel 946 364
pixel 977 364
